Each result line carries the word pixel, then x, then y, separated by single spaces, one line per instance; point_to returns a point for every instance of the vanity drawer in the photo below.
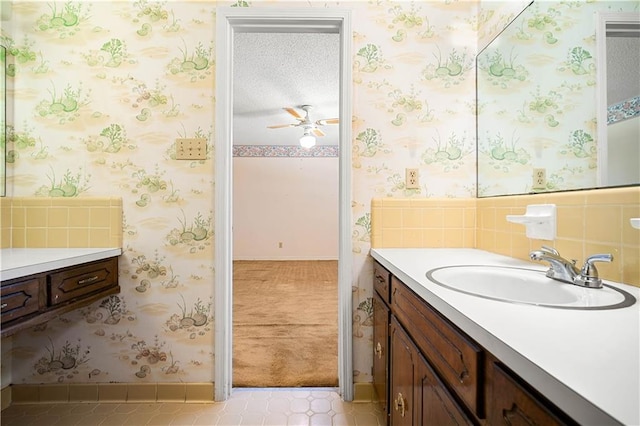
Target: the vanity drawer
pixel 456 358
pixel 512 402
pixel 82 280
pixel 381 281
pixel 22 297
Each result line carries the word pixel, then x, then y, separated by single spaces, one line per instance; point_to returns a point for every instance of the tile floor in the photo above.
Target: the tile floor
pixel 252 407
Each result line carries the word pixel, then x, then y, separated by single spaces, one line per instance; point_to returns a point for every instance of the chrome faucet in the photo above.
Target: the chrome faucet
pixel 565 270
pixel 560 269
pixel 589 273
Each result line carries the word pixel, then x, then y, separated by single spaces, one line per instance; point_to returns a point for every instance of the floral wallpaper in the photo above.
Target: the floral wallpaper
pixel 101 90
pixel 537 100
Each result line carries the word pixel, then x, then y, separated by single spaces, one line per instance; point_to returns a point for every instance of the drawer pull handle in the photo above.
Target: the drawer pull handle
pixel 88 280
pixel 399 404
pixel 4 305
pixel 515 415
pixel 379 350
pixel 380 278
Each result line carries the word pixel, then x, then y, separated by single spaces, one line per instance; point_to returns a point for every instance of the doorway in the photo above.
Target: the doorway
pixel 230 21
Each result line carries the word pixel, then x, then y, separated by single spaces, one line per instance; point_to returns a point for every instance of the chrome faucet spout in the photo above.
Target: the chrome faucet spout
pixel 560 269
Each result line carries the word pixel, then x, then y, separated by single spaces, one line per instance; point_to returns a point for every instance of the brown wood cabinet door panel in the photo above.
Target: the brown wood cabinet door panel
pixel 380 351
pixel 81 280
pixel 454 356
pixel 381 281
pixel 21 298
pixel 437 406
pixel 401 391
pixel 512 404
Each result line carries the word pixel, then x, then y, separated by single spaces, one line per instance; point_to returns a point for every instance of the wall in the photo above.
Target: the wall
pixel 102 89
pixel 426 222
pixel 100 92
pixel 61 222
pixel 293 201
pixel 94 117
pixel 588 222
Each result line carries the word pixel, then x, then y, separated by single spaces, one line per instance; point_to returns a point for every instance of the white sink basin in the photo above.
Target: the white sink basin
pixel 528 286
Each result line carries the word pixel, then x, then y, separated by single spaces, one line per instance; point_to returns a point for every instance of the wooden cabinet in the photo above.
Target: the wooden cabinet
pixel 435 405
pixel 381 317
pixel 22 297
pixel 31 300
pixel 78 281
pixel 435 374
pixel 453 355
pixel 404 358
pixel 381 322
pixel 514 403
pixel 382 282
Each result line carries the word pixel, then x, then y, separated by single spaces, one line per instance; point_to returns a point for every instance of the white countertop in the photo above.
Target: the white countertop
pixel 586 362
pixel 20 262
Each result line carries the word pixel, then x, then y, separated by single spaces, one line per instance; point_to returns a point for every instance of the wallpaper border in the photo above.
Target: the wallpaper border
pixel 285 151
pixel 623 110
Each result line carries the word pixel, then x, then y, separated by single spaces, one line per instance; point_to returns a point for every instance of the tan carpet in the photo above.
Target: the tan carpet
pixel 285 323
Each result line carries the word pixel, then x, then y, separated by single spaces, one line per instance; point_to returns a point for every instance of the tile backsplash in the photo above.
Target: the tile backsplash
pixel 61 222
pixel 423 222
pixel 589 222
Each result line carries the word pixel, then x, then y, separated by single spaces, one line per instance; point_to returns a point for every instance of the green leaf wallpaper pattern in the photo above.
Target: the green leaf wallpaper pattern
pixel 102 89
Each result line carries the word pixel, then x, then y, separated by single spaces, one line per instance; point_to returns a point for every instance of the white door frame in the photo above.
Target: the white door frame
pixel 229 20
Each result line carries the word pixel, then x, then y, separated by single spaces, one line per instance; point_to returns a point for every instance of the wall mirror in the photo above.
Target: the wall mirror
pixel 538 102
pixel 3 114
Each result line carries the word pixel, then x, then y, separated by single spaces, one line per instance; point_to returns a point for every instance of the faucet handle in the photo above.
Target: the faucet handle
pixel 589 274
pixel 550 250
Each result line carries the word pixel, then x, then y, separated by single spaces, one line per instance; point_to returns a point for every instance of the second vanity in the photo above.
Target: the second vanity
pixel 580 365
pixel 40 284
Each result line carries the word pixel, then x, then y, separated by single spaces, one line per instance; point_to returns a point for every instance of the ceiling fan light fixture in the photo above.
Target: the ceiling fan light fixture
pixel 307 140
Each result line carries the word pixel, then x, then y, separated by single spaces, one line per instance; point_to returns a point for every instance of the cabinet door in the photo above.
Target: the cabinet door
pixel 403 359
pixel 513 404
pixel 380 351
pixel 455 357
pixel 435 405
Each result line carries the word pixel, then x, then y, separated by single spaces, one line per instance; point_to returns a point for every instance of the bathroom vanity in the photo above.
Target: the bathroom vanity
pixel 446 357
pixel 40 284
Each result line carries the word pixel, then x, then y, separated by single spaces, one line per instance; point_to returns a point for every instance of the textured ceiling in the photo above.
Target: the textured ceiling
pixel 623 67
pixel 272 71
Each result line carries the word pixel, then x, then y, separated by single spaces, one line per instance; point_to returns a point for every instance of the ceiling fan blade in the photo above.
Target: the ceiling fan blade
pixel 280 126
pixel 294 113
pixel 326 121
pixel 318 132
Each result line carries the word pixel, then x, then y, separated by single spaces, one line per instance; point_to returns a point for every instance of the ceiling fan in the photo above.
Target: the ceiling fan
pixel 310 127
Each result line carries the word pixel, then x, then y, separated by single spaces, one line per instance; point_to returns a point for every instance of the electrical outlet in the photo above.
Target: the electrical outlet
pixel 539 178
pixel 412 180
pixel 191 149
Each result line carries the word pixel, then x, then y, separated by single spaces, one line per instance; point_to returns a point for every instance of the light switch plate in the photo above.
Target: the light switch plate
pixel 191 149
